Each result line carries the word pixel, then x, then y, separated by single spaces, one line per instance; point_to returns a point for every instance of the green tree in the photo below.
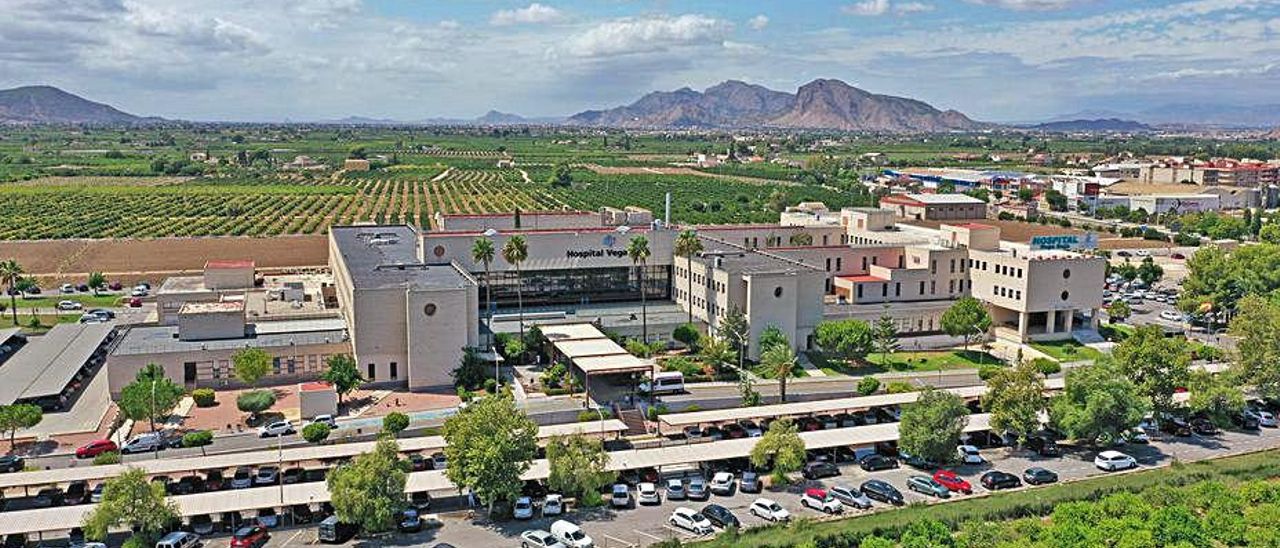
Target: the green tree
pixel 562 175
pixel 11 273
pixel 868 386
pixel 395 423
pixel 850 339
pixel 779 362
pixel 577 466
pixel 1119 311
pixel 687 334
pixel 1150 272
pixel 483 252
pixel 515 252
pixel 1215 397
pixel 150 396
pixel 1098 403
pixel 968 319
pixel 316 432
pixel 638 251
pixel 255 401
pixel 781 449
pixel 471 370
pixel 687 244
pixel 251 364
pixel 1015 398
pixel 772 336
pixel 1158 365
pixel 369 491
pixel 97 281
pixel 930 427
pixel 489 445
pixel 747 389
pixel 927 533
pixel 715 351
pixel 343 373
pixel 17 417
pixel 734 329
pixel 885 336
pixel 1257 357
pixel 1269 234
pixel 134 502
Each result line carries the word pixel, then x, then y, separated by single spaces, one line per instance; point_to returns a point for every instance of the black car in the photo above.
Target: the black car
pixel 314 474
pixel 12 463
pixel 1044 446
pixel 996 479
pixel 48 497
pixel 1245 421
pixel 871 463
pixel 1204 427
pixel 409 521
pixel 302 513
pixel 882 491
pixel 291 475
pixel 819 470
pixel 420 500
pixel 77 493
pixel 213 481
pixel 419 462
pixel 720 516
pixel 1039 476
pixel 1175 426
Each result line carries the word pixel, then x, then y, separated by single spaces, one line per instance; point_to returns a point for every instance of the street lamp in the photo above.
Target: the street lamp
pixel 497 374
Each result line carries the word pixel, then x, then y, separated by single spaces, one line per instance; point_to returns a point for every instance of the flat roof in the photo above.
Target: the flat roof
pixel 582 348
pixel 386 256
pixel 933 199
pixel 212 308
pixel 163 339
pixel 571 331
pixel 617 363
pixel 591 351
pixel 746 260
pixel 863 278
pixel 8 333
pixel 228 263
pixel 804 408
pixel 47 363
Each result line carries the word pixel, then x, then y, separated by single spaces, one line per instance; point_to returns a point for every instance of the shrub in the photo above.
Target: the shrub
pixel 204 397
pixel 1046 366
pixel 256 401
pixel 682 364
pixel 987 371
pixel 395 423
pixel 315 432
pixel 491 386
pixel 112 457
pixel 868 386
pixel 899 387
pixel 686 334
pixel 199 438
pixel 655 410
pixel 692 409
pixel 592 415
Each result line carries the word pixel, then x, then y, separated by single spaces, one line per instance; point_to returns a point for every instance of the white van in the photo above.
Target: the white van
pixel 571 535
pixel 179 539
pixel 666 382
pixel 144 443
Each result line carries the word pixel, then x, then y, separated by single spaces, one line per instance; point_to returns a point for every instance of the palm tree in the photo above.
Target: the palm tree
pixel 11 274
pixel 687 245
pixel 779 361
pixel 638 250
pixel 482 252
pixel 516 251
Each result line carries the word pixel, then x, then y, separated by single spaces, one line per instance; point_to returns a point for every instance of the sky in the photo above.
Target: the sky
pixel 276 60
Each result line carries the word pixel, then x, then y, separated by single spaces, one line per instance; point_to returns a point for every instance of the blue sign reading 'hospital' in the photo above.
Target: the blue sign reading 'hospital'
pixel 1088 240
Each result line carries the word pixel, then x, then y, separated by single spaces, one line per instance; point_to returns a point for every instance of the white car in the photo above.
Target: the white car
pixel 1135 435
pixel 621 496
pixel 821 500
pixel 68 288
pixel 537 538
pixel 138 292
pixel 327 420
pixel 647 493
pixel 969 454
pixel 278 428
pixel 553 505
pixel 143 444
pixel 1111 461
pixel 69 305
pixel 1142 253
pixel 523 508
pixel 691 520
pixel 1170 315
pixel 769 510
pixel 722 483
pixel 571 535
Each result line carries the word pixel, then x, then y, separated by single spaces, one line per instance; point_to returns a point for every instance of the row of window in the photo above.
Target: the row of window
pixel 280 365
pixel 952 288
pixel 1000 269
pixel 1007 292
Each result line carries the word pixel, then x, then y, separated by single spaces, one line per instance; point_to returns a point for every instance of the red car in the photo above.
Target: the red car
pixel 135 302
pixel 95 448
pixel 952 482
pixel 249 537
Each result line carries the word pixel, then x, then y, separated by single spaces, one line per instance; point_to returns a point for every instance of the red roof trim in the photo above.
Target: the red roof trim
pixel 862 279
pixel 229 263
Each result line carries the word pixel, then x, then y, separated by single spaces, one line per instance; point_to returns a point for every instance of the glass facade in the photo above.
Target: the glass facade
pixel 577 286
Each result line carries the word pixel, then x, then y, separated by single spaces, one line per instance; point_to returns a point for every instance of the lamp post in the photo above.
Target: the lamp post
pixel 497 374
pixel 155 451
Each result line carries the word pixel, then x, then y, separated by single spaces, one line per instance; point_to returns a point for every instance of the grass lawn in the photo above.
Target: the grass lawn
pixel 86 299
pixel 47 321
pixel 1067 351
pixel 907 361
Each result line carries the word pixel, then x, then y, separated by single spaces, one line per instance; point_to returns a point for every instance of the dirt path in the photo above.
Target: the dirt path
pixel 613 170
pixel 442 174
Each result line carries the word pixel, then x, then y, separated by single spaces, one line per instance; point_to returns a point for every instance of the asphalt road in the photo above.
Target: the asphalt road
pixel 646 525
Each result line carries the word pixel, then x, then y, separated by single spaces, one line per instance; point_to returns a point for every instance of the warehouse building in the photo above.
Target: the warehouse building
pixel 935 207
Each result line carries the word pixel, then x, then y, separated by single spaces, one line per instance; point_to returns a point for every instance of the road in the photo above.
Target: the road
pixel 647 525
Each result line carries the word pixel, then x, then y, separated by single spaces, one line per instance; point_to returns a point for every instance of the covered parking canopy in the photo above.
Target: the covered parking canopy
pixel 593 353
pixel 47 364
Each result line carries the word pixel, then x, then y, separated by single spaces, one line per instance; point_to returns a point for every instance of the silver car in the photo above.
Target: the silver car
pixel 850 496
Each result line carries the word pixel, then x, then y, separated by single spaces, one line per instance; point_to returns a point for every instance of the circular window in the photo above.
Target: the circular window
pixel 1066 273
pixel 439 251
pixel 1065 295
pixel 430 309
pixel 777 292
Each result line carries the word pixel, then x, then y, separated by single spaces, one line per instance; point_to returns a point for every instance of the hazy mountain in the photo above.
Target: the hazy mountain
pixel 1204 114
pixel 1106 124
pixel 821 104
pixel 50 105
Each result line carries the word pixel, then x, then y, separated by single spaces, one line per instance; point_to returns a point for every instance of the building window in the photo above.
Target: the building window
pixel 953 266
pixel 933 266
pixel 922 287
pixel 291 365
pixel 828 264
pixel 951 286
pixel 884 290
pixel 777 292
pixel 371 372
pixel 1066 274
pixel 395 371
pixel 1065 295
pixel 933 287
pixel 275 366
pixel 838 263
pixel 897 289
pixel 859 291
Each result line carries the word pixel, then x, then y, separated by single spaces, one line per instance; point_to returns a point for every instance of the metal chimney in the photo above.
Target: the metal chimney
pixel 666 215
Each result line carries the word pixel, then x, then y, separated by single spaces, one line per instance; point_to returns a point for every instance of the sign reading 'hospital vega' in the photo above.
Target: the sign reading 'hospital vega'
pixel 593 253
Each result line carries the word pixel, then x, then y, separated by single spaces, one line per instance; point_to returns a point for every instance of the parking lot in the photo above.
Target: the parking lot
pixel 645 525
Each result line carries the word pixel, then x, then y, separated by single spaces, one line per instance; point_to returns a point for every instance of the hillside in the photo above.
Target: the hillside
pixel 1105 124
pixel 821 104
pixel 50 105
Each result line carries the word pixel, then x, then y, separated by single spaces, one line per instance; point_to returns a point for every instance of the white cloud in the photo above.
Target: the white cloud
pixel 534 13
pixel 1030 5
pixel 912 7
pixel 640 35
pixel 868 8
pixel 758 22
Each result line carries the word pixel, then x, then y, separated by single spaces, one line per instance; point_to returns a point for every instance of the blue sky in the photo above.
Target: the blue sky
pixel 996 60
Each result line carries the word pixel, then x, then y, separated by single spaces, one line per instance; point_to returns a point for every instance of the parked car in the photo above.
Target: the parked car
pixel 553 505
pixel 1044 446
pixel 1204 426
pixel 571 535
pixel 752 429
pixel 68 288
pixel 925 485
pixel 302 513
pixel 969 454
pixel 202 524
pixel 750 483
pixel 268 518
pixel 439 461
pixel 872 463
pixel 278 428
pixel 1110 461
pixel 537 538
pixel 882 491
pixel 12 463
pixel 144 443
pixel 952 481
pixel 95 448
pixel 1135 435
pixel 48 497
pixel 996 479
pixel 821 500
pixel 523 508
pixel 267 475
pixel 819 470
pixel 1037 475
pixel 135 302
pixel 69 305
pixel 326 420
pixel 1265 418
pixel 769 510
pixel 291 475
pixel 690 520
pixel 621 496
pixel 95 496
pixel 420 500
pixel 850 496
pixel 647 493
pixel 409 521
pixel 250 537
pixel 213 480
pixel 722 483
pixel 242 478
pixel 675 489
pixel 697 489
pixel 77 493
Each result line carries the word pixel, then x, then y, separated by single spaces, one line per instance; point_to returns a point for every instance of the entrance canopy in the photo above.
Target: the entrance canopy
pixel 591 351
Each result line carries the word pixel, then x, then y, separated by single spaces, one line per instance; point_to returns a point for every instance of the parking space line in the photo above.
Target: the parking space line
pixel 642 533
pixel 295 537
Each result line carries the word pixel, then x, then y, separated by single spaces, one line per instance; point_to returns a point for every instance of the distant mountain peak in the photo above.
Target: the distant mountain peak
pixel 45 104
pixel 820 104
pixel 1116 125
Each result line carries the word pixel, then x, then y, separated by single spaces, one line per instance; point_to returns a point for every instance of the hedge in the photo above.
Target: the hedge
pixel 204 397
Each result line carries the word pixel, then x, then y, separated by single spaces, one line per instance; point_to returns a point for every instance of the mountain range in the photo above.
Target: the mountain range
pixel 1110 125
pixel 50 105
pixel 820 104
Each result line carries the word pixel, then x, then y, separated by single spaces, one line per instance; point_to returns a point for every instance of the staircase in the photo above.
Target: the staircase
pixel 1087 336
pixel 634 420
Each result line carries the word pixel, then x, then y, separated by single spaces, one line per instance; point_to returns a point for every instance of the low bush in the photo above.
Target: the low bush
pixel 655 410
pixel 197 439
pixel 868 386
pixel 592 415
pixel 316 432
pixel 107 458
pixel 899 387
pixel 204 397
pixel 256 401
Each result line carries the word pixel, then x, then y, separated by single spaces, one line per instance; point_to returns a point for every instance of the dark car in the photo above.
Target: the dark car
pixel 1039 476
pixel 734 431
pixel 1245 421
pixel 871 463
pixel 1175 426
pixel 819 470
pixel 1204 427
pixel 186 485
pixel 77 493
pixel 750 483
pixel 291 475
pixel 995 480
pixel 533 489
pixel 420 500
pixel 12 463
pixel 721 516
pixel 409 521
pixel 419 462
pixel 213 481
pixel 314 474
pixel 48 497
pixel 882 491
pixel 1044 446
pixel 809 424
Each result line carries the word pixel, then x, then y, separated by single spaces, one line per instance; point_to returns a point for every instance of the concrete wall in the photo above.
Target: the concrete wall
pixel 441 323
pixel 214 369
pixel 211 325
pixel 378 328
pixel 229 278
